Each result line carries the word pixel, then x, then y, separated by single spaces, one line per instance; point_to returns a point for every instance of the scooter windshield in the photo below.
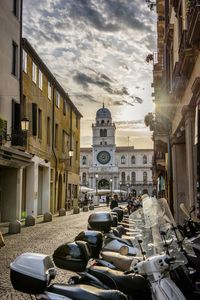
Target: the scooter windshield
pixel 153 228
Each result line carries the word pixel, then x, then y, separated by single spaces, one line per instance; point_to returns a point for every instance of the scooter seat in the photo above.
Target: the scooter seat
pixel 121 262
pixel 130 284
pixel 85 292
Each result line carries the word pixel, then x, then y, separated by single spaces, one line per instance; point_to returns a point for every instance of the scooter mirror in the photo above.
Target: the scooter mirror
pixel 124 250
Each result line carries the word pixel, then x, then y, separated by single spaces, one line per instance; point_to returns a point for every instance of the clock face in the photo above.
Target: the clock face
pixel 103 157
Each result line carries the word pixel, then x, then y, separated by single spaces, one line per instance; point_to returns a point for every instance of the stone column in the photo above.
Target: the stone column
pixel 189 117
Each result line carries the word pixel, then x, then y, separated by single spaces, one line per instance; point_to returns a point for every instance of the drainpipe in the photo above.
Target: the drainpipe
pixel 53 140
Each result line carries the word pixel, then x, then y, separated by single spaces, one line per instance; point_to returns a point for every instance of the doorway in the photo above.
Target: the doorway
pixel 40 185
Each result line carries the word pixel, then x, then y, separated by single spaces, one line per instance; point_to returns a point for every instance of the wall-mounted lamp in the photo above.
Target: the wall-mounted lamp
pixel 71 152
pixel 25 124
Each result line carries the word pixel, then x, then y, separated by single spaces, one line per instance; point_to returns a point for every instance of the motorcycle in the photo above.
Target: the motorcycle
pixel 32 273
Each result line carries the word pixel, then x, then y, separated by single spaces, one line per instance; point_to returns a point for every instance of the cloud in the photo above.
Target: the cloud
pixel 96 49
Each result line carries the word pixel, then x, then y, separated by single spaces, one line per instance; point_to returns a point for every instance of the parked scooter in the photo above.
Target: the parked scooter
pixel 31 273
pixel 102 221
pixel 160 257
pixel 161 253
pixel 134 286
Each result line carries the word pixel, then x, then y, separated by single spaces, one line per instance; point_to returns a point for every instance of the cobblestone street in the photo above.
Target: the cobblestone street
pixel 42 238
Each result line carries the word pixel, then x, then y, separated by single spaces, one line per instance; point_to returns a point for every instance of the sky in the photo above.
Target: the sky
pixel 96 49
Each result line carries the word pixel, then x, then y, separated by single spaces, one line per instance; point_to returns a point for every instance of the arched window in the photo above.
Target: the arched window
pixel 84 160
pixel 102 121
pixel 133 177
pixel 144 159
pixel 145 177
pixel 103 132
pixel 123 177
pixel 133 159
pixel 123 160
pixel 84 178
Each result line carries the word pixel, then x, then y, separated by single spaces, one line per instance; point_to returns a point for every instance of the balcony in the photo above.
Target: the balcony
pixel 194 22
pixel 178 80
pixel 186 56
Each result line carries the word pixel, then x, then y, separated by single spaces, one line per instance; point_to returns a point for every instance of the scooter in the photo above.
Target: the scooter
pixel 158 259
pixel 31 273
pixel 161 253
pixel 102 221
pixel 134 286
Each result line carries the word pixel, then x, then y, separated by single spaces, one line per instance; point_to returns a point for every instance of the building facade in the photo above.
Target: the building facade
pixel 52 179
pixel 106 166
pixel 177 95
pixel 13 158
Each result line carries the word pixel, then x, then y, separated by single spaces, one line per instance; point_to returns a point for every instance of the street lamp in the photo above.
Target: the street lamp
pixel 96 176
pixel 111 186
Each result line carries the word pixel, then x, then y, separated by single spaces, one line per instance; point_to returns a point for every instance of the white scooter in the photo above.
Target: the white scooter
pixel 159 248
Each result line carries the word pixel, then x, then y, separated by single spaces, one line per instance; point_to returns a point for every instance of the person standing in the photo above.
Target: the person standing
pixel 114 202
pixel 107 200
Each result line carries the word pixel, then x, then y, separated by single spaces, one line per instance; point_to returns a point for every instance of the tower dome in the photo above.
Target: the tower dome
pixel 103 113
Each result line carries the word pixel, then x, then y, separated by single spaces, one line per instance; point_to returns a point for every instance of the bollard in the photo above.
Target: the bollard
pixel 76 210
pixel 85 208
pixel 14 227
pixel 30 220
pixel 62 212
pixel 91 207
pixel 47 217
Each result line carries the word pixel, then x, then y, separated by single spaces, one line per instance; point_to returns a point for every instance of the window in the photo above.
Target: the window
pixel 49 90
pixel 34 119
pixel 40 77
pixel 84 160
pixel 64 107
pixel 123 177
pixel 144 177
pixel 64 142
pixel 40 124
pixel 57 99
pixel 56 136
pixel 133 160
pixel 48 131
pixel 16 8
pixel 103 132
pixel 144 159
pixel 14 58
pixel 34 72
pixel 133 177
pixel 123 160
pixel 25 59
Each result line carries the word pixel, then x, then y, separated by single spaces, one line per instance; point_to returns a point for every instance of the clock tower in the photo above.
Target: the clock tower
pixel 103 149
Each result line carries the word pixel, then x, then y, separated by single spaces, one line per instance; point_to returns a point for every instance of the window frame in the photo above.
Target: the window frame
pixel 40 79
pixel 34 72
